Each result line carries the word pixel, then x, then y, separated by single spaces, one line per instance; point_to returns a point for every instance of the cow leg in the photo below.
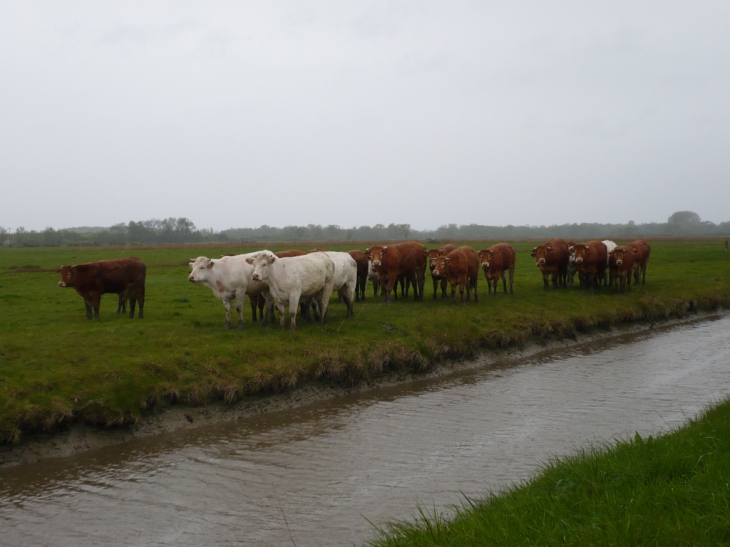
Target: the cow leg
pixel 435 287
pixel 444 291
pixel 87 304
pixel 504 282
pixel 132 304
pixel 545 281
pixel 140 302
pixel 227 306
pixel 240 296
pixel 122 305
pixel 96 302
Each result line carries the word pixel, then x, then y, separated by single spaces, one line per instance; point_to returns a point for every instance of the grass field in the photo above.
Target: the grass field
pixel 669 490
pixel 57 366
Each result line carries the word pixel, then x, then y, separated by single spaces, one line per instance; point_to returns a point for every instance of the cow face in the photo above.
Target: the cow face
pixel 68 276
pixel 376 254
pixel 581 253
pixel 262 265
pixel 542 254
pixel 432 255
pixel 440 266
pixel 486 257
pixel 201 269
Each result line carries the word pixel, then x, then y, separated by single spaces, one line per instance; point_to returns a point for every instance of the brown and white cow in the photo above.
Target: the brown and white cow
pixel 496 262
pixel 433 254
pixel 552 259
pixel 591 260
pixel 643 250
pixel 392 262
pixel 621 264
pixel 459 267
pixel 124 277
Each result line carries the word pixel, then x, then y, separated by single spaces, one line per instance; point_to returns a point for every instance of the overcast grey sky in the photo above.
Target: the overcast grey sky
pixel 238 114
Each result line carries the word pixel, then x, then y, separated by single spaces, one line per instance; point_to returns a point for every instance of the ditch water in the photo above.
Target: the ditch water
pixel 316 475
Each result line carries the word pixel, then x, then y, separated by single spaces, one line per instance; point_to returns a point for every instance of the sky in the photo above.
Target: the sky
pixel 245 113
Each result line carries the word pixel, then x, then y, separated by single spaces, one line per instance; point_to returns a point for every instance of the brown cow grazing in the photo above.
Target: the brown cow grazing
pixel 392 262
pixel 362 273
pixel 591 259
pixel 432 254
pixel 496 262
pixel 643 250
pixel 552 259
pixel 460 267
pixel 124 277
pixel 621 263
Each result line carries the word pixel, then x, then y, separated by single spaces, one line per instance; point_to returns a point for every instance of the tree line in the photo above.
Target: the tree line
pixel 183 230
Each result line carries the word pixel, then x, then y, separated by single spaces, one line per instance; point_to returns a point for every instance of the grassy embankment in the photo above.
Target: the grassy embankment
pixel 669 490
pixel 57 366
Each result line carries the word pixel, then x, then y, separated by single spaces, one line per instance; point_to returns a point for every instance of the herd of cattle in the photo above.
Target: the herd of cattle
pixel 297 278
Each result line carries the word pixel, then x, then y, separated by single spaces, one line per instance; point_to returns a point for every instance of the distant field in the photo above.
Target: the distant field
pixel 57 366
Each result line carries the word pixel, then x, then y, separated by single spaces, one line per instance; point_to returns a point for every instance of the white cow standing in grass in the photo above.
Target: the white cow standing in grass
pixel 345 279
pixel 289 279
pixel 229 278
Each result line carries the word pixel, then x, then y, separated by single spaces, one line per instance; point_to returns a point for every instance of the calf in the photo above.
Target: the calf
pixel 229 277
pixel 643 250
pixel 591 260
pixel 460 267
pixel 621 264
pixel 290 279
pixel 496 262
pixel 552 259
pixel 392 262
pixel 124 277
pixel 432 254
pixel 373 276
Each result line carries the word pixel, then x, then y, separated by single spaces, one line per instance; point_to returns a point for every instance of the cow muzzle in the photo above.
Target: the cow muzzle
pixel 541 262
pixel 619 263
pixel 485 265
pixel 61 284
pixel 256 277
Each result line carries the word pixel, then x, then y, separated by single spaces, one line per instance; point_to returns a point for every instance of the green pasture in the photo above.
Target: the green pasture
pixel 57 366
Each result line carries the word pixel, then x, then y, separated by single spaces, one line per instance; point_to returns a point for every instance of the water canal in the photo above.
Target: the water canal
pixel 315 475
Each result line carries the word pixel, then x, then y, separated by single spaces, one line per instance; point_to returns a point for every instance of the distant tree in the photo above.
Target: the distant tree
pixel 405 230
pixel 684 217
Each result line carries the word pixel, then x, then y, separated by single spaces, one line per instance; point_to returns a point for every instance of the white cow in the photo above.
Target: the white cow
pixel 345 279
pixel 610 246
pixel 289 279
pixel 229 278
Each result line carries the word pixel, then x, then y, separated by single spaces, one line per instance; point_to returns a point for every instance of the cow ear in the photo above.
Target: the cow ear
pixel 491 253
pixel 249 260
pixel 272 259
pixel 210 264
pixel 550 249
pixel 447 259
pixel 191 260
pixel 384 249
pixel 479 254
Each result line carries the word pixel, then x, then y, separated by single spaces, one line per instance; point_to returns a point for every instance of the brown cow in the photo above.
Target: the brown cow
pixel 432 254
pixel 496 262
pixel 591 259
pixel 621 263
pixel 405 259
pixel 362 273
pixel 124 277
pixel 643 250
pixel 552 259
pixel 460 267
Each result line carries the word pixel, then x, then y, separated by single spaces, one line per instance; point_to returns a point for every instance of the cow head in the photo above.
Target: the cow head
pixel 261 265
pixel 375 254
pixel 201 268
pixel 486 257
pixel 432 254
pixel 581 253
pixel 618 256
pixel 440 266
pixel 542 254
pixel 68 276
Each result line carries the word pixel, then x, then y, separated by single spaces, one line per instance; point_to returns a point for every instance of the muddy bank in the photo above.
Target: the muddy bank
pixel 80 438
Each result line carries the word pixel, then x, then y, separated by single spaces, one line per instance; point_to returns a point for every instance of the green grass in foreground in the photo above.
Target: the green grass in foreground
pixel 670 490
pixel 56 366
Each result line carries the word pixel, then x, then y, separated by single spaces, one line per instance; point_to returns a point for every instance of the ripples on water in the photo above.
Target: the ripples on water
pixel 312 476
